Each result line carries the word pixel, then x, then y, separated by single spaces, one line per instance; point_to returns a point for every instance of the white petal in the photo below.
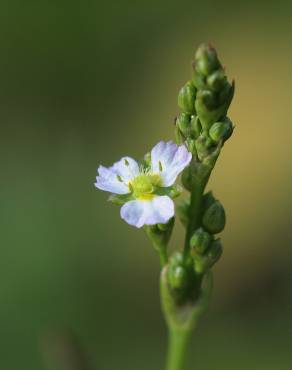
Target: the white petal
pixel 169 160
pixel 109 181
pixel 127 168
pixel 138 213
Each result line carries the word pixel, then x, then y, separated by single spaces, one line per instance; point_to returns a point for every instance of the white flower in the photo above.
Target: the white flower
pixel 126 177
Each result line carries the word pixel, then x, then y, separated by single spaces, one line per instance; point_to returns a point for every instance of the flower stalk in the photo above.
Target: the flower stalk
pixel 204 127
pixel 145 190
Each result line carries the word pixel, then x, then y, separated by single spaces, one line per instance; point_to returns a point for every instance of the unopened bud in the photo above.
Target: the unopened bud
pixel 226 94
pixel 200 241
pixel 203 146
pixel 182 209
pixel 196 126
pixel 205 105
pixel 217 80
pixel 215 252
pixel 179 138
pixel 214 218
pixel 206 59
pixel 183 123
pixel 186 98
pixel 178 278
pixel 221 130
pixel 186 178
pixel 178 271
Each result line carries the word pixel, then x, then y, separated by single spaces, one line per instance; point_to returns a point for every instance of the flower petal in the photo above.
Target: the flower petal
pixel 127 168
pixel 115 179
pixel 169 160
pixel 138 213
pixel 109 181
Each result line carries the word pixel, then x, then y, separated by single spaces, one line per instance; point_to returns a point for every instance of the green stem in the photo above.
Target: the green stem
pixel 162 250
pixel 194 214
pixel 178 343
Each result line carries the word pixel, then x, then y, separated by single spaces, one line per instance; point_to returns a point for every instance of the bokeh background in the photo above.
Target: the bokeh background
pixel 84 82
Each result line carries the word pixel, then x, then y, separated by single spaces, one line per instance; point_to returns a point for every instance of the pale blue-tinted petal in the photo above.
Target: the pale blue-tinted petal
pixel 169 160
pixel 138 213
pixel 127 168
pixel 109 181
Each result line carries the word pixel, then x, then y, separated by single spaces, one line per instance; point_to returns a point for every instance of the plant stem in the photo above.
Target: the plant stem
pixel 162 255
pixel 194 214
pixel 178 343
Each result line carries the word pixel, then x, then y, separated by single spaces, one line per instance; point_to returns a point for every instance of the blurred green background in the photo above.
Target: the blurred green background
pixel 85 82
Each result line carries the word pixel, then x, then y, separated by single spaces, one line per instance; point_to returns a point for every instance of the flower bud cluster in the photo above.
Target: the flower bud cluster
pixel 204 102
pixel 181 276
pixel 205 249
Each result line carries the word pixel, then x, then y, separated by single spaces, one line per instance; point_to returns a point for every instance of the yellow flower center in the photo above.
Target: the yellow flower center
pixel 143 185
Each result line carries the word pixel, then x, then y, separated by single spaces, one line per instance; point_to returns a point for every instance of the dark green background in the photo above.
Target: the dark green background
pixel 85 82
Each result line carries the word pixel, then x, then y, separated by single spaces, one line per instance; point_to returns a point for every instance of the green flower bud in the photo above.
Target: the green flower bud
pixel 200 241
pixel 178 277
pixel 203 146
pixel 215 252
pixel 204 262
pixel 208 200
pixel 217 80
pixel 211 106
pixel 226 95
pixel 199 80
pixel 179 138
pixel 160 234
pixel 183 123
pixel 206 59
pixel 196 127
pixel 221 130
pixel 191 145
pixel 186 98
pixel 205 105
pixel 214 218
pixel 201 264
pixel 179 274
pixel 186 178
pixel 182 210
pixel 176 259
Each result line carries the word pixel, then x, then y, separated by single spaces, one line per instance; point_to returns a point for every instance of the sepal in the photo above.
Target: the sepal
pixel 120 199
pixel 173 191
